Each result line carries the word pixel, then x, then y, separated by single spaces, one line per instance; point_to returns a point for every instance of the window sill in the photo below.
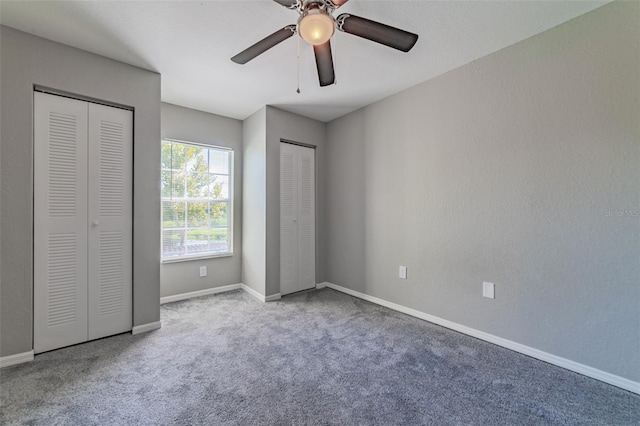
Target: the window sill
pixel 192 258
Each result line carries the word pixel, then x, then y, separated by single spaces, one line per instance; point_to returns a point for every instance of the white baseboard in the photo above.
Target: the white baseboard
pixel 215 290
pixel 273 297
pixel 8 360
pixel 585 370
pixel 253 293
pixel 199 293
pixel 259 296
pixel 321 285
pixel 144 328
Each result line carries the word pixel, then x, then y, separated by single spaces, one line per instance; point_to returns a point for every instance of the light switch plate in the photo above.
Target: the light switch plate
pixel 488 290
pixel 203 271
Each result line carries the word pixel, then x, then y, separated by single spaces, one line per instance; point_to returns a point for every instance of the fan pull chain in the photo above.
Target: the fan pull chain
pixel 298 90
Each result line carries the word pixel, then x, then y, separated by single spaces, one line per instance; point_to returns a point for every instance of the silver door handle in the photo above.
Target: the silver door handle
pixel 95 223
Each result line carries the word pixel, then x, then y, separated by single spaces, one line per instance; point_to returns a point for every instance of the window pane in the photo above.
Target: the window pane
pixel 177 183
pixel 219 161
pixel 219 242
pixel 219 187
pixel 172 215
pixel 178 156
pixel 197 214
pixel 197 159
pixel 172 243
pixel 166 155
pixel 218 214
pixel 198 185
pixel 197 241
pixel 165 179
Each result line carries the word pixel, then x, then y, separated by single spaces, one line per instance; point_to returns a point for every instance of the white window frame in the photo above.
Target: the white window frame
pixel 229 201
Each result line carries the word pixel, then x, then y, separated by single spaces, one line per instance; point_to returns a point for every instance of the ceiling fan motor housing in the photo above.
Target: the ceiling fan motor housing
pixel 322 4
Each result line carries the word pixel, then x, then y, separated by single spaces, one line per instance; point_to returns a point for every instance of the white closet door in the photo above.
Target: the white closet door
pixel 306 218
pixel 110 220
pixel 288 219
pixel 297 218
pixel 60 222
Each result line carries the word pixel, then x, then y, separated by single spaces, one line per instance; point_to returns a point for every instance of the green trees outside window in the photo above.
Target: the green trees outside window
pixel 196 200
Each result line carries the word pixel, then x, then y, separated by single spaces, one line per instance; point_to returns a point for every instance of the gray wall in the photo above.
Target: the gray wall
pixel 29 60
pixel 286 125
pixel 505 170
pixel 254 151
pixel 208 129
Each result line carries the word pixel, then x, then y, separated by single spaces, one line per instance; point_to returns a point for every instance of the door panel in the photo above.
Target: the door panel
pixel 60 222
pixel 288 217
pixel 306 219
pixel 297 218
pixel 110 220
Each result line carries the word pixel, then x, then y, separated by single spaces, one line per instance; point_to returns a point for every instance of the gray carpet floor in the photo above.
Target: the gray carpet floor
pixel 314 358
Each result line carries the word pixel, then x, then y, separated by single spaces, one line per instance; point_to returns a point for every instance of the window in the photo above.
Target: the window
pixel 197 186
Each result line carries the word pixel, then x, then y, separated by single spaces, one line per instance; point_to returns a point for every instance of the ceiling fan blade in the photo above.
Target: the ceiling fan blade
pixel 338 3
pixel 375 31
pixel 265 44
pixel 324 62
pixel 289 4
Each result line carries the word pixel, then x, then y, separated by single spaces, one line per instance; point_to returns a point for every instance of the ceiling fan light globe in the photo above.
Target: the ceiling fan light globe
pixel 316 28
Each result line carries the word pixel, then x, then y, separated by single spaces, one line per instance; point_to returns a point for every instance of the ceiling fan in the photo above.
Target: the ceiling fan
pixel 316 25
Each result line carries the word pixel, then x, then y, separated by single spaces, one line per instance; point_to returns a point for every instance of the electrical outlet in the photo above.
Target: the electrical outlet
pixel 203 271
pixel 402 272
pixel 489 290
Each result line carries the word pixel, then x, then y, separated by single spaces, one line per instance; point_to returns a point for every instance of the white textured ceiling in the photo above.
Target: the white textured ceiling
pixel 190 43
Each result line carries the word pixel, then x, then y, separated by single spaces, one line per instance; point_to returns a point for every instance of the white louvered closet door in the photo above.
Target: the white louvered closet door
pixel 306 218
pixel 82 221
pixel 60 222
pixel 110 221
pixel 297 218
pixel 288 218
